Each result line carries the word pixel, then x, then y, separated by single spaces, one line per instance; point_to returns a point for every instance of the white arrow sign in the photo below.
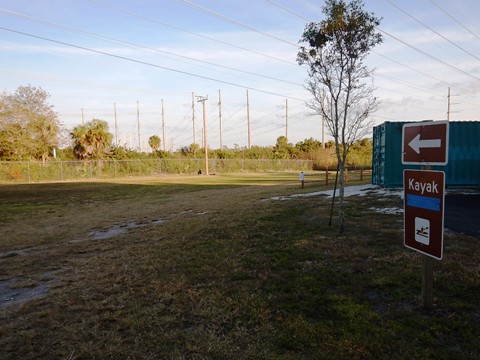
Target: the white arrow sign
pixel 416 144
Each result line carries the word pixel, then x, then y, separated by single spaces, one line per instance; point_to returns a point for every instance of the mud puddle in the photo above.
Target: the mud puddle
pixel 18 290
pixel 120 229
pixel 105 234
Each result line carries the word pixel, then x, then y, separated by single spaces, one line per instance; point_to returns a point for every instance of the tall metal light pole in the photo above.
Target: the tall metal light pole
pixel 248 122
pixel 286 118
pixel 193 118
pixel 220 118
pixel 203 99
pixel 138 125
pixel 116 124
pixel 163 127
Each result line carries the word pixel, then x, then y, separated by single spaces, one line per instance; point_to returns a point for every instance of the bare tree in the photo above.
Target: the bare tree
pixel 335 54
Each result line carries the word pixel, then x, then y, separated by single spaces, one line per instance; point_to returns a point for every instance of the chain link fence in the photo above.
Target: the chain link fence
pixel 33 171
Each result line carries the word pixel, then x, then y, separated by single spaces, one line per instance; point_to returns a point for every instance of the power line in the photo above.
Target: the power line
pixel 454 19
pixel 410 85
pixel 149 64
pixel 430 56
pixel 289 10
pixel 190 32
pixel 116 41
pixel 411 46
pixel 399 63
pixel 409 67
pixel 233 21
pixel 433 30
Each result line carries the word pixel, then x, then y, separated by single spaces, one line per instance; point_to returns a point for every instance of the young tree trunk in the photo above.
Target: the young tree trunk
pixel 341 161
pixel 341 196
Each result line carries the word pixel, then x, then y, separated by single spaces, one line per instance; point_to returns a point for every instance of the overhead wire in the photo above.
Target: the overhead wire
pixel 190 32
pixel 403 42
pixel 117 41
pixel 149 64
pixel 411 46
pixel 288 10
pixel 433 30
pixel 81 31
pixel 408 84
pixel 454 19
pixel 395 61
pixel 409 67
pixel 233 21
pixel 429 55
pixel 236 22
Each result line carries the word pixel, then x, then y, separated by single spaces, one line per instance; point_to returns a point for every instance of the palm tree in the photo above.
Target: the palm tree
pixel 92 140
pixel 154 142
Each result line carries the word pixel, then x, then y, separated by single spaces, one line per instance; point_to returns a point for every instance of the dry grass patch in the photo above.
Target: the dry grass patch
pixel 226 274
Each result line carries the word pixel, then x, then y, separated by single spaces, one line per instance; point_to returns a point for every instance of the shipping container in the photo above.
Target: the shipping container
pixel 462 170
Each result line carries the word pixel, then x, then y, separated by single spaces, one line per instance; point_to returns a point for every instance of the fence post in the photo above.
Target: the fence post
pixel 361 174
pixel 326 176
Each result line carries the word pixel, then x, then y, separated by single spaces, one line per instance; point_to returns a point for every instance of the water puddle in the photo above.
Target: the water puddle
pixel 115 230
pixel 191 212
pixel 18 290
pixel 12 292
pixel 8 254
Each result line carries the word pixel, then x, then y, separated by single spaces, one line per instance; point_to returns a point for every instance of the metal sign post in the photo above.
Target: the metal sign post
pixel 425 144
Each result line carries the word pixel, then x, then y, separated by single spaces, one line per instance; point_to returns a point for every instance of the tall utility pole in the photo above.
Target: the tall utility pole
pixel 116 124
pixel 286 118
pixel 83 121
pixel 193 118
pixel 203 99
pixel 163 126
pixel 323 122
pixel 448 106
pixel 220 118
pixel 323 131
pixel 248 121
pixel 138 126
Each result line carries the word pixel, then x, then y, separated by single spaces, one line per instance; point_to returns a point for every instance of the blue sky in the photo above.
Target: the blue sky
pixel 149 51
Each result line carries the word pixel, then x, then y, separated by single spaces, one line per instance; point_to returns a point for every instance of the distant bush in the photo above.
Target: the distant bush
pixel 36 171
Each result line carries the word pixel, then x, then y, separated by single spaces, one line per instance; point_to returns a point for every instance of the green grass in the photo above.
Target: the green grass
pixel 229 275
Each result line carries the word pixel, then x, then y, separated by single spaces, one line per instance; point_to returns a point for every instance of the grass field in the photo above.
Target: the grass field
pixel 213 268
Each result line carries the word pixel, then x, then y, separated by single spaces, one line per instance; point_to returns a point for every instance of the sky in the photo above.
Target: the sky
pixel 137 64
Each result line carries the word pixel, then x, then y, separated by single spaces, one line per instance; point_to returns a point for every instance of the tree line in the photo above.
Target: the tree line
pixel 30 130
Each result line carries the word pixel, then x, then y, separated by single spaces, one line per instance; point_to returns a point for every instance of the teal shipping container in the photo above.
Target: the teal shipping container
pixel 462 170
